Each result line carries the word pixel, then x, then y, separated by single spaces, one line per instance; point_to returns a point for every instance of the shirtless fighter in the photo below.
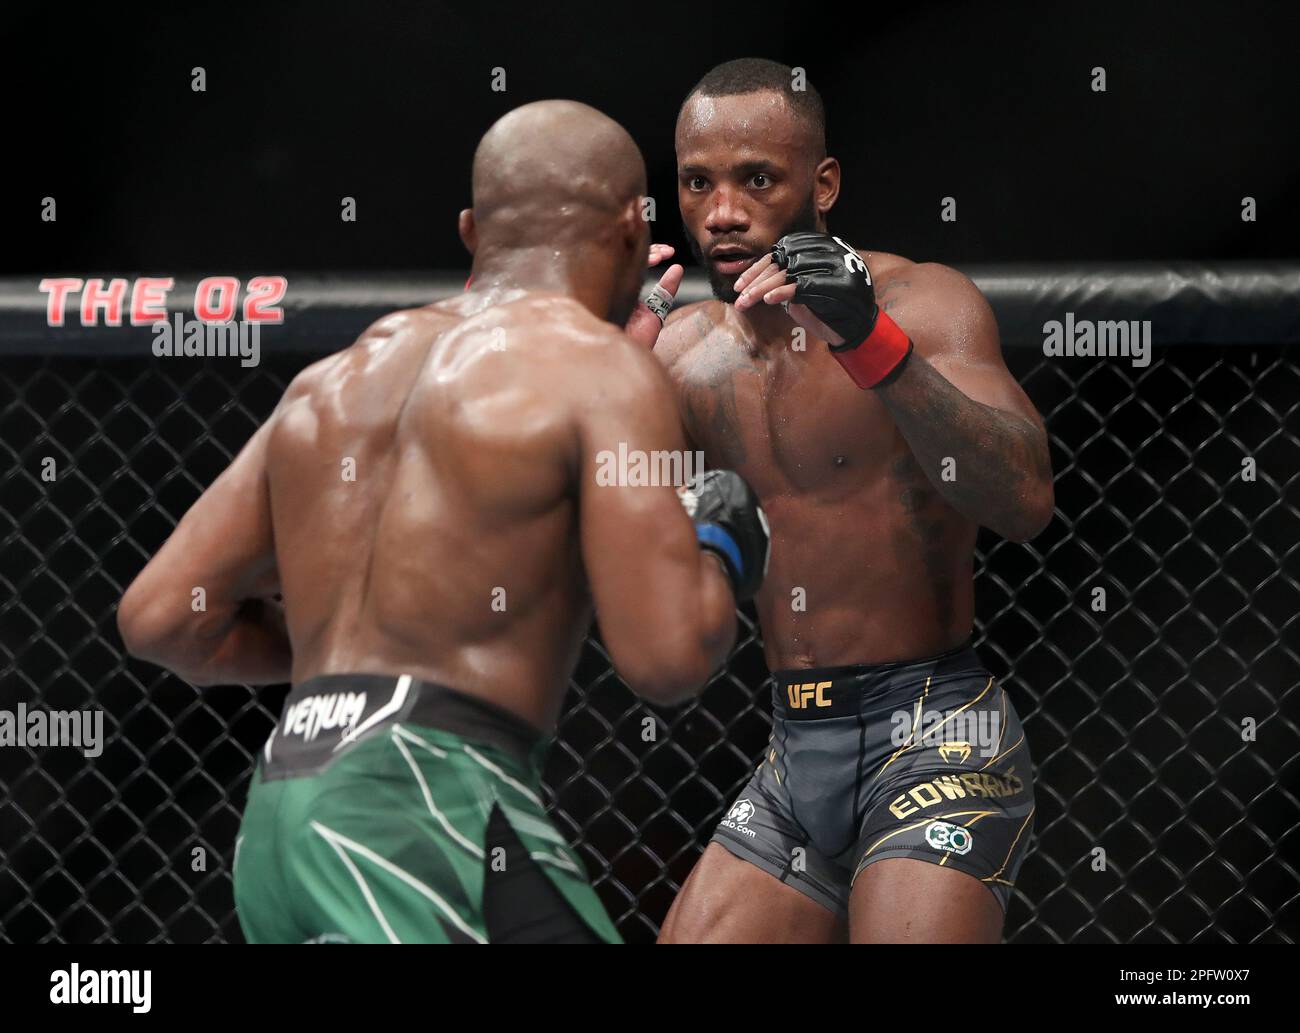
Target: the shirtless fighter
pixel 426 502
pixel 879 427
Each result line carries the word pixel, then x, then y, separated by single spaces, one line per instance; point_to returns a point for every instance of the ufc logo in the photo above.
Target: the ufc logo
pixel 801 696
pixel 852 260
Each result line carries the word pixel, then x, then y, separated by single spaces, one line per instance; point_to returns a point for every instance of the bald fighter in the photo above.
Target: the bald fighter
pixel 427 504
pixel 865 398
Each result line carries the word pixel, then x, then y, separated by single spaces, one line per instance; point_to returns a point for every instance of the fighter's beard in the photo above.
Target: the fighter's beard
pixel 803 221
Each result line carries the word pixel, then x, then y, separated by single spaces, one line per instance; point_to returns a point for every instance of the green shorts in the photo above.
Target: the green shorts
pixel 390 810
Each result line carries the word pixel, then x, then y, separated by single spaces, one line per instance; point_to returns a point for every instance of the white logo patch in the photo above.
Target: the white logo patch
pixel 738 817
pixel 741 811
pixel 310 716
pixel 952 839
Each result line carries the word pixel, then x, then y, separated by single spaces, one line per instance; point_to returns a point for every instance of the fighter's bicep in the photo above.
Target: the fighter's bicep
pixel 952 325
pixel 987 382
pixel 225 543
pixel 632 449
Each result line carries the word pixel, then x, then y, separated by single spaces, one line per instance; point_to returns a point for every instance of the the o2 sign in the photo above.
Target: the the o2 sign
pixel 217 299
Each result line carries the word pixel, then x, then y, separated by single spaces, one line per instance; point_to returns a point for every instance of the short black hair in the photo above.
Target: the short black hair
pixel 753 74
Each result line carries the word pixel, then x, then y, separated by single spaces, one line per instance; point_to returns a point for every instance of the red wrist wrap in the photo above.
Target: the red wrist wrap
pixel 875 358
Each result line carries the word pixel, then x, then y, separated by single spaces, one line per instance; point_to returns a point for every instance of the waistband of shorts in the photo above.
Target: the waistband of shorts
pixel 433 705
pixel 822 692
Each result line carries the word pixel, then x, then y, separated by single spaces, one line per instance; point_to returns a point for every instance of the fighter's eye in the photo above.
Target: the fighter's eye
pixel 696 183
pixel 760 180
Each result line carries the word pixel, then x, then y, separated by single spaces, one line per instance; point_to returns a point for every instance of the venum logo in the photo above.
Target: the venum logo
pixel 952 839
pixel 738 817
pixel 311 716
pixel 960 751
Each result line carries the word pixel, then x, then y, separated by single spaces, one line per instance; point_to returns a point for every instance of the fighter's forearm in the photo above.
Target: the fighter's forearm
pixel 718 612
pixel 1000 471
pixel 238 644
pixel 254 650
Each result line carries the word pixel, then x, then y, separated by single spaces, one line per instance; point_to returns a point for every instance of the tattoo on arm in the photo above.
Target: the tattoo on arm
pixel 1002 459
pixel 888 296
pixel 707 386
pixel 712 423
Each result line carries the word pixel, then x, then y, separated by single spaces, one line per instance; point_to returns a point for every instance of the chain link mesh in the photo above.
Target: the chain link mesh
pixel 1158 818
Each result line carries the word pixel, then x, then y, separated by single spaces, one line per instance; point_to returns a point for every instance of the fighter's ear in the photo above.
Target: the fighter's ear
pixel 826 185
pixel 633 225
pixel 468 230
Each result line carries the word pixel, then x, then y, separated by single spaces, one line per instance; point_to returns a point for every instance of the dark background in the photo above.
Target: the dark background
pixel 1133 715
pixel 307 103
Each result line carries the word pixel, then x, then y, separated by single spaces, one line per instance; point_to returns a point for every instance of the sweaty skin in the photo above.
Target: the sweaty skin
pixel 426 501
pixel 860 533
pixel 872 547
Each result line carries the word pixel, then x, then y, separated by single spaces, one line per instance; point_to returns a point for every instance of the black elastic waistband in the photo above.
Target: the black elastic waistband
pixel 822 692
pixel 957 660
pixel 392 698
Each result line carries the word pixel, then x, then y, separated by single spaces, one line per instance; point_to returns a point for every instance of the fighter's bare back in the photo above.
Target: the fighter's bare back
pixel 426 503
pixel 449 549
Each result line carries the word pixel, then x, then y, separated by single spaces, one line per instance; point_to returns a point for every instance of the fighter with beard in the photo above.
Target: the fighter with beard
pixel 865 399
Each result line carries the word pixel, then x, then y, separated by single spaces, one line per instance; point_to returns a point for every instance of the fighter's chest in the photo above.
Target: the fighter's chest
pixel 785 420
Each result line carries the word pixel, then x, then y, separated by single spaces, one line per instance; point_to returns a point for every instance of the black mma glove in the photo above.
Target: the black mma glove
pixel 833 282
pixel 730 523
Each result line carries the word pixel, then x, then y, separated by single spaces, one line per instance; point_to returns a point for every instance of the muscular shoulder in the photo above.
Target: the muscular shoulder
pixel 618 368
pixel 603 387
pixel 566 354
pixel 316 381
pixel 940 308
pixel 309 382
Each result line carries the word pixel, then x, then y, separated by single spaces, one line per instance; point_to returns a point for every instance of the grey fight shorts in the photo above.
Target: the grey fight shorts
pixel 922 758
